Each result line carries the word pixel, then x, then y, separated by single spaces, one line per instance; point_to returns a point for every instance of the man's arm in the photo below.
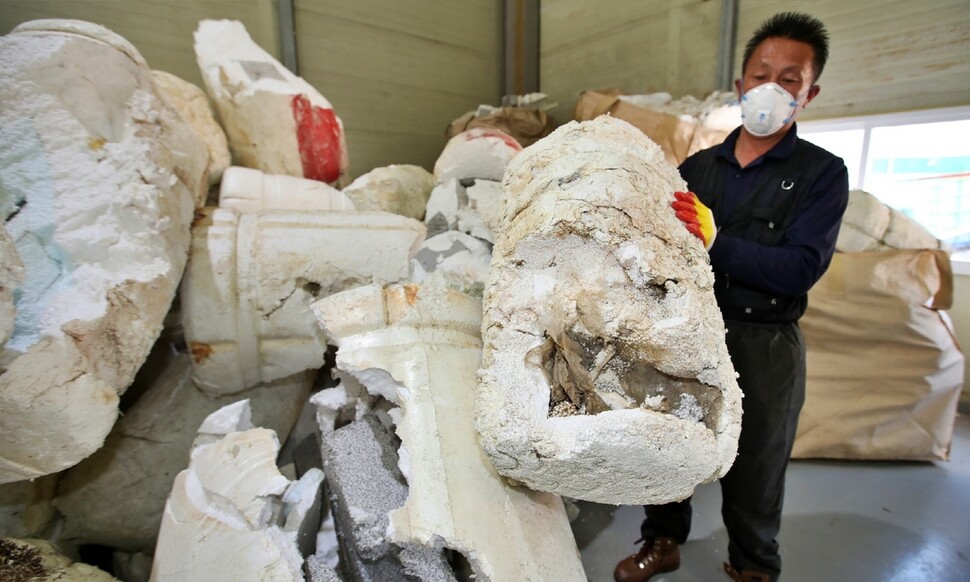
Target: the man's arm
pixel 791 269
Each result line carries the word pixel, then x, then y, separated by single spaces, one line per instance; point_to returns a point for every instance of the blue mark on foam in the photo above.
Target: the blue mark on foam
pixel 28 204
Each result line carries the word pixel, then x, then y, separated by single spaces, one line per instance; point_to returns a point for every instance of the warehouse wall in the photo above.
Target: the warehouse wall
pixel 399 72
pixel 638 47
pixel 161 30
pixel 885 55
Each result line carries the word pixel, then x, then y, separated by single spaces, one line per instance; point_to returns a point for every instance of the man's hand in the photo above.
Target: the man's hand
pixel 696 217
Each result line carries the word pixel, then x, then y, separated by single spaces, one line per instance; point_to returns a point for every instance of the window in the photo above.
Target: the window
pixel 916 162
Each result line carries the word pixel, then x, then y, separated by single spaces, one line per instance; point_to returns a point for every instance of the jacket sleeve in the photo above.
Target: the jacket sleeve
pixel 792 268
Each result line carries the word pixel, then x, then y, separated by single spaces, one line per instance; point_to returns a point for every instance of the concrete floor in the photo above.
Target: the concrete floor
pixel 843 521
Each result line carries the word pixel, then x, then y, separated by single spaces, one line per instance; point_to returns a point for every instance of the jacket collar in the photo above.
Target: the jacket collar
pixel 782 150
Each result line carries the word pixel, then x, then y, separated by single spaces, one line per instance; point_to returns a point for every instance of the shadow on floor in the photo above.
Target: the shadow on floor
pixel 824 546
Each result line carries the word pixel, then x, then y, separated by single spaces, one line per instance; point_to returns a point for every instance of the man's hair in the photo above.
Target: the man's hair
pixel 794 26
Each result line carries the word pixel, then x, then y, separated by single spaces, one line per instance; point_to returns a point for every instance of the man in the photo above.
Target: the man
pixel 768 207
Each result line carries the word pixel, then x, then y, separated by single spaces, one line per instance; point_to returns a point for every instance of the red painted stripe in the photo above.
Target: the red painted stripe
pixel 481 132
pixel 318 138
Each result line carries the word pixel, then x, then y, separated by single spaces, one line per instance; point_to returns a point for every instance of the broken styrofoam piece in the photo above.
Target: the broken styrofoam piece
pixel 365 485
pixel 33 559
pixel 605 375
pixel 223 518
pixel 275 121
pixel 87 31
pixel 401 189
pixel 347 400
pixel 867 214
pixel 853 240
pixel 452 259
pixel 372 307
pixel 301 449
pixel 906 233
pixel 302 508
pixel 871 225
pixel 481 216
pixel 116 496
pixel 250 190
pixel 422 343
pixel 328 546
pixel 476 153
pixel 100 180
pixel 864 223
pixel 192 104
pixel 441 213
pixel 350 401
pixel 51 423
pixel 234 417
pixel 200 540
pixel 11 276
pixel 472 206
pixel 241 467
pixel 252 276
pixel 330 405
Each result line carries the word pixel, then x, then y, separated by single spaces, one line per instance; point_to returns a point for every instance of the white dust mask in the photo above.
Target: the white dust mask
pixel 766 109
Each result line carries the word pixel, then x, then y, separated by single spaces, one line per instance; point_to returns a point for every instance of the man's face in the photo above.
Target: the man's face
pixel 785 62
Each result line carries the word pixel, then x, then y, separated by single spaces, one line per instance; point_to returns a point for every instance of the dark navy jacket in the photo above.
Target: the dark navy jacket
pixel 777 221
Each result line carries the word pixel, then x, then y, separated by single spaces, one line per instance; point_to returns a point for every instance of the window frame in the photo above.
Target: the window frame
pixel 869 122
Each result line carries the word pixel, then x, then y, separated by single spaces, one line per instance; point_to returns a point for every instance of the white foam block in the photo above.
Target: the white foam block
pixel 422 344
pixel 476 153
pixel 249 190
pixel 193 105
pixel 227 501
pixel 275 121
pixel 246 292
pixel 400 188
pixel 100 182
pixel 605 375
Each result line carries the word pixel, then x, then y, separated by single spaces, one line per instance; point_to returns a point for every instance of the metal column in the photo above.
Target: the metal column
pixel 725 49
pixel 288 36
pixel 521 20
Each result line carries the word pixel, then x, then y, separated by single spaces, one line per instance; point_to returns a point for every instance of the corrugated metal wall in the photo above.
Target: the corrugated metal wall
pixel 638 47
pixel 396 72
pixel 161 30
pixel 399 72
pixel 885 55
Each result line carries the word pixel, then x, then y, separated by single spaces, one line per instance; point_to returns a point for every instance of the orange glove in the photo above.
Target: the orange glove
pixel 696 217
